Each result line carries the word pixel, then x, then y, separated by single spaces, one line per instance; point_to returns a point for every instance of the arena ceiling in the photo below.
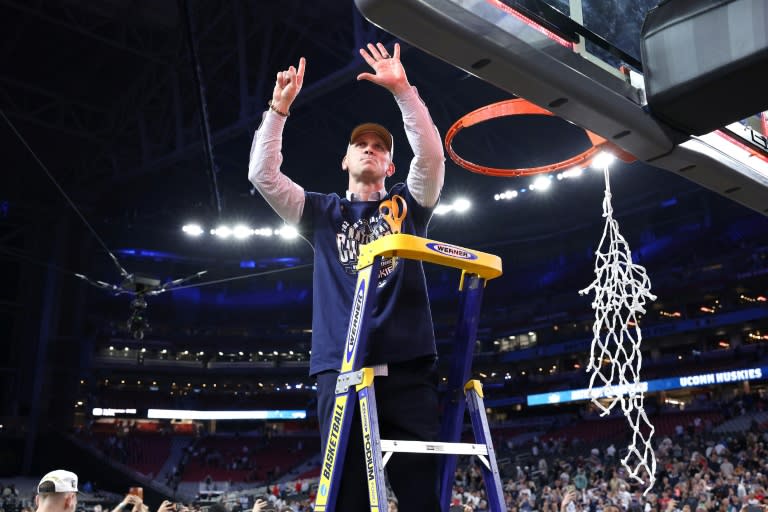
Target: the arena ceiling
pixel 105 98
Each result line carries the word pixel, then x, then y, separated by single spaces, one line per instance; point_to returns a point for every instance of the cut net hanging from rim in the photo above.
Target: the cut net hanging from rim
pixel 621 290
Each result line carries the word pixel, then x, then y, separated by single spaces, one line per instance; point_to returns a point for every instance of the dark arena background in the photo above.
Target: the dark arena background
pixel 125 122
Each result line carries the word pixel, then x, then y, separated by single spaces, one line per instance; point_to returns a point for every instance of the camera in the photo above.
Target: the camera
pixel 137 322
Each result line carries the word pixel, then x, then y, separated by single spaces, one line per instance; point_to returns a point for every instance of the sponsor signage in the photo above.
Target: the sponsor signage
pixel 452 251
pixel 356 318
pixel 186 414
pixel 368 450
pixel 106 411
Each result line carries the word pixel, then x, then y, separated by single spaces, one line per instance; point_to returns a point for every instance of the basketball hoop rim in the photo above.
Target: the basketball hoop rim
pixel 516 107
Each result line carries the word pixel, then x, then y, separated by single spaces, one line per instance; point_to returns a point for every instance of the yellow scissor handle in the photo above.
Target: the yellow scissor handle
pixel 487 266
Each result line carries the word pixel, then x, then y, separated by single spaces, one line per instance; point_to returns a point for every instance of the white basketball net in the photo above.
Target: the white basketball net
pixel 621 290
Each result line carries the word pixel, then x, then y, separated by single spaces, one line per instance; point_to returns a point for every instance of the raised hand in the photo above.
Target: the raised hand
pixel 389 71
pixel 166 506
pixel 134 501
pixel 287 86
pixel 568 497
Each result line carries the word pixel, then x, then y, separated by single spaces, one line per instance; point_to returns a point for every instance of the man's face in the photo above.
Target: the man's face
pixel 368 158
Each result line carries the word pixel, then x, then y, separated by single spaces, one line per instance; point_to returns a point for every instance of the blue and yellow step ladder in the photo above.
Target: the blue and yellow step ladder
pixel 477 268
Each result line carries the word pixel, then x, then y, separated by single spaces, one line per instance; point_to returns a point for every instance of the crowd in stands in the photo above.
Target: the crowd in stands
pixel 699 469
pixel 694 474
pixel 13 501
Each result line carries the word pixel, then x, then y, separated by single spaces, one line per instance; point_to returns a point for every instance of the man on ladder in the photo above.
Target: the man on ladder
pixel 401 344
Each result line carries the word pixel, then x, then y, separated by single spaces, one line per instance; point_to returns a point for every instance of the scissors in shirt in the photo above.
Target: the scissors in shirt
pixel 393 212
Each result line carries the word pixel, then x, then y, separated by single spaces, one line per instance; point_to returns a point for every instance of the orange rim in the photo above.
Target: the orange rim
pixel 516 107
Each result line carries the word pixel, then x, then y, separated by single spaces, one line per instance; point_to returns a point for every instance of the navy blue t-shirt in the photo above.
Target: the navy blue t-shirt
pixel 401 326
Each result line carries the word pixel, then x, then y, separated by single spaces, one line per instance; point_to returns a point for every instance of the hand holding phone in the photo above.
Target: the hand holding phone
pixel 167 506
pixel 131 499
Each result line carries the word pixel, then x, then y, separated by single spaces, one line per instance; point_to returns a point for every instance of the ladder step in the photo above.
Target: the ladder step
pixel 388 445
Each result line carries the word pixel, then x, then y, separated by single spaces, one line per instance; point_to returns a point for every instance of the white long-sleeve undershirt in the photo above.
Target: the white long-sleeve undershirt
pixel 425 176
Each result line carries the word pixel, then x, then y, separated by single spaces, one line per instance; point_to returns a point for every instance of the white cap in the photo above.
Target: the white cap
pixel 59 480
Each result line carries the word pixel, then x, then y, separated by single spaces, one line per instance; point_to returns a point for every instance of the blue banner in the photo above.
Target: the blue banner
pixel 688 381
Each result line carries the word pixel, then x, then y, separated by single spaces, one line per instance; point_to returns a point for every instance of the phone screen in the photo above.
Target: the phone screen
pixel 137 491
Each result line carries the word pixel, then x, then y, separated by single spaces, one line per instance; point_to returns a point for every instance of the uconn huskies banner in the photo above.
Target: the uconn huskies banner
pixel 700 379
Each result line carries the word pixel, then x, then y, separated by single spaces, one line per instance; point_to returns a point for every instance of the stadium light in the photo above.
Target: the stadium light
pixel 192 229
pixel 574 172
pixel 241 232
pixel 287 232
pixel 223 232
pixel 541 183
pixel 603 160
pixel 506 195
pixel 461 205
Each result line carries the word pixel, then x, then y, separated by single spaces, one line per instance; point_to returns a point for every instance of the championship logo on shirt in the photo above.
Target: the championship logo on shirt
pixel 363 231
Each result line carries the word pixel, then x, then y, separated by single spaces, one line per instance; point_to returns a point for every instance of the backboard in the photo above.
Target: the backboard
pixel 580 59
